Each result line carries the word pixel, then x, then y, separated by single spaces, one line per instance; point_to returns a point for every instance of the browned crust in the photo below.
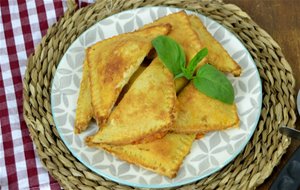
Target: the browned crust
pixel 151 134
pixel 179 155
pixel 199 129
pixel 101 118
pixel 82 116
pixel 199 135
pixel 163 131
pixel 81 126
pixel 173 116
pixel 145 166
pixel 188 99
pixel 169 112
pixel 236 71
pixel 160 134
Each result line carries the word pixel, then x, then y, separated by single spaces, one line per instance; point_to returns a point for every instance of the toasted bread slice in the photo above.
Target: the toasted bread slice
pixel 148 107
pixel 84 110
pixel 217 55
pixel 163 156
pixel 198 113
pixel 113 61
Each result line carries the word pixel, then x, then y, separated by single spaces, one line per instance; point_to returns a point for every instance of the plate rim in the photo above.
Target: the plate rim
pixel 171 184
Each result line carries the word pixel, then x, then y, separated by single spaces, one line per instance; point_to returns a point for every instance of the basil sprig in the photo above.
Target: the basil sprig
pixel 214 84
pixel 170 53
pixel 208 79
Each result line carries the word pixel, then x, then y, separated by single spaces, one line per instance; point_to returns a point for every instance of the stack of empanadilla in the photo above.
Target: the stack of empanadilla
pixel 144 116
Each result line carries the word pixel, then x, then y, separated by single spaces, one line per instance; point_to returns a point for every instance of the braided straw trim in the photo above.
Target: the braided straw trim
pixel 251 167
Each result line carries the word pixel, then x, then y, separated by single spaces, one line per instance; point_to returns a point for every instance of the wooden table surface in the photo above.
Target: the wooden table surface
pixel 281 19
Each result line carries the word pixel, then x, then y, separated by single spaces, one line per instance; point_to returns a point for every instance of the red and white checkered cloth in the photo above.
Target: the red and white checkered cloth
pixel 22 25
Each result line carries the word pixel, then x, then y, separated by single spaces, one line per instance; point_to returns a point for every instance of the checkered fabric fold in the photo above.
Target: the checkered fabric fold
pixel 22 25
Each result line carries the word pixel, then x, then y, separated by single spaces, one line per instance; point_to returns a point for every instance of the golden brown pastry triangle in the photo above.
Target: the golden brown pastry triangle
pixel 147 108
pixel 183 34
pixel 217 55
pixel 191 34
pixel 198 113
pixel 163 156
pixel 113 61
pixel 84 110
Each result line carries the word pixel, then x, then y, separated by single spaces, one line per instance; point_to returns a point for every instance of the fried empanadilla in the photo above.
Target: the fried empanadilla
pixel 84 110
pixel 192 35
pixel 163 156
pixel 198 113
pixel 148 107
pixel 183 34
pixel 113 61
pixel 217 55
pixel 140 118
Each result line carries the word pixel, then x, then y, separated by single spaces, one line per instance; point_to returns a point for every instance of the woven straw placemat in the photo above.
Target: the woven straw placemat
pixel 250 168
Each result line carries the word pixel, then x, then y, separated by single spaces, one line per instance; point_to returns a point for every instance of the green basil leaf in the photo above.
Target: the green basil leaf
pixel 170 53
pixel 196 59
pixel 214 84
pixel 188 75
pixel 178 76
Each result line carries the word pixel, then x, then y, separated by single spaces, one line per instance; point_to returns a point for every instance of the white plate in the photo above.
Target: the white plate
pixel 207 155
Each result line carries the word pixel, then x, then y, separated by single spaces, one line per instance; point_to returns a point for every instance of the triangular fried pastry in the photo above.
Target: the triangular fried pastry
pixel 113 61
pixel 183 34
pixel 217 55
pixel 163 156
pixel 147 108
pixel 198 113
pixel 84 110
